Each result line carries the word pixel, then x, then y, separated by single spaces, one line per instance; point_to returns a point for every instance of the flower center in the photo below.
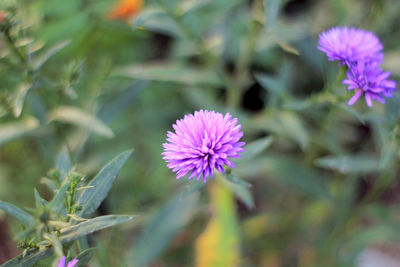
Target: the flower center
pixel 206 150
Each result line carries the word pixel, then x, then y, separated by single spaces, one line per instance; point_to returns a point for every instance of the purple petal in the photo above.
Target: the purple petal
pixel 61 262
pixel 355 97
pixel 72 263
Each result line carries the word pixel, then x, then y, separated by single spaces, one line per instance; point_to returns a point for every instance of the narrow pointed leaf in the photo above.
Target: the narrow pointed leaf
pixel 271 12
pixel 54 242
pixel 274 86
pixel 236 180
pixel 14 130
pixel 39 201
pixel 85 228
pixel 243 193
pixel 51 184
pixel 288 124
pixel 70 234
pixel 354 164
pixel 241 190
pixel 147 15
pixel 171 73
pixel 255 148
pixel 85 257
pixel 80 118
pixel 64 163
pixel 21 215
pixel 57 203
pixel 192 186
pixel 21 93
pixel 45 56
pixel 295 174
pixel 29 260
pixel 192 5
pixel 92 197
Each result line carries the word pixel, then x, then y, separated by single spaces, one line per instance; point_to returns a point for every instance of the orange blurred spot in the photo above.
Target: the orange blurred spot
pixel 2 16
pixel 125 9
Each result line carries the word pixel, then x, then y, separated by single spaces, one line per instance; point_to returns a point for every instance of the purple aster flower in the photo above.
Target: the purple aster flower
pixel 61 262
pixel 202 142
pixel 368 79
pixel 348 45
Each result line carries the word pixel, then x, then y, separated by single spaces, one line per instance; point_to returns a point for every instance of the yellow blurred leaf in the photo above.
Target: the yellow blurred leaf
pixel 218 245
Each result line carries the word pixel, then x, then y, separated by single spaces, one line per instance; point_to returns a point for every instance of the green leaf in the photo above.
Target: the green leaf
pixel 271 84
pixel 161 229
pixel 350 110
pixel 271 12
pixel 157 20
pixel 54 242
pixel 103 256
pixel 191 5
pixel 24 41
pixel 192 186
pixel 286 47
pixel 236 180
pixel 277 85
pixel 146 15
pixel 166 72
pixel 51 184
pixel 354 164
pixel 91 198
pixel 74 232
pixel 123 101
pixel 57 203
pixel 21 215
pixel 69 234
pixel 80 118
pixel 19 100
pixel 39 61
pixel 63 163
pixel 39 201
pixel 70 27
pixel 243 193
pixel 27 232
pixel 255 148
pixel 288 124
pixel 85 257
pixel 391 108
pixel 201 98
pixel 29 260
pixel 295 174
pixel 14 130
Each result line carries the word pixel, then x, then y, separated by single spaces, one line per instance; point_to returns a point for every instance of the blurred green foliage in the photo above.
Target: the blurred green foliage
pixel 318 183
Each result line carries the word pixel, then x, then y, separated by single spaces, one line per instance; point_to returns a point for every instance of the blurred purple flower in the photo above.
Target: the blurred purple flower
pixel 348 45
pixel 61 262
pixel 368 79
pixel 202 142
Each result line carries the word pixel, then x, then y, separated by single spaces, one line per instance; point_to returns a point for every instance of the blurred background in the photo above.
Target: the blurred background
pixel 318 185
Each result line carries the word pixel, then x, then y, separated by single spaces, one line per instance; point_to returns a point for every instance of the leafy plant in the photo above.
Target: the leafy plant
pixel 55 226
